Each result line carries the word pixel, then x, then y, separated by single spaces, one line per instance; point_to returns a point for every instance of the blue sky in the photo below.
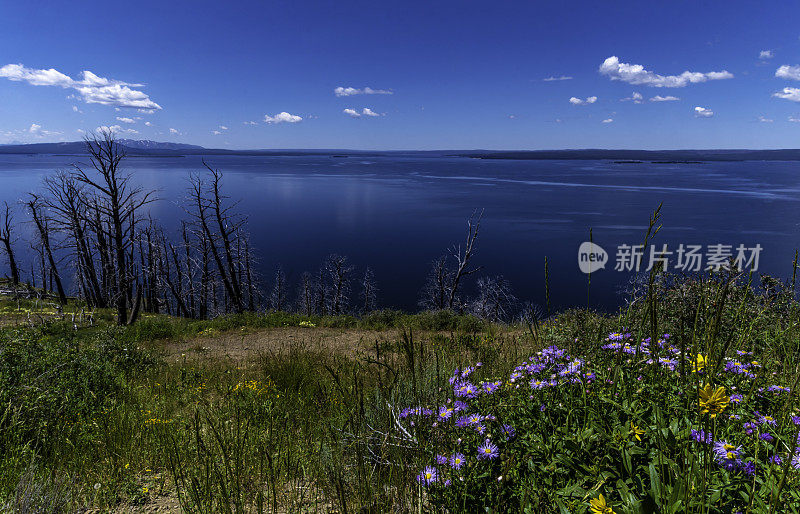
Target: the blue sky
pixel 443 75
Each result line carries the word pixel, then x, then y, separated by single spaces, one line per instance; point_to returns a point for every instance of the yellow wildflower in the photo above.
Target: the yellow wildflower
pixel 713 401
pixel 636 432
pixel 700 363
pixel 599 506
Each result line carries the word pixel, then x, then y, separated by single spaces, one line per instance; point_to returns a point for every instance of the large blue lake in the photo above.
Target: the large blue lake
pixel 397 213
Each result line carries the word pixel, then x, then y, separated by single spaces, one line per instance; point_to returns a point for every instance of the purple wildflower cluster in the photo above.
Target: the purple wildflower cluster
pixel 415 411
pixel 553 367
pixel 740 368
pixel 459 413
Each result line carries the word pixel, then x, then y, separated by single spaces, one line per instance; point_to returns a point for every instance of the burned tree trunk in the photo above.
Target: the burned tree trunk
pixel 7 238
pixel 34 206
pixel 117 206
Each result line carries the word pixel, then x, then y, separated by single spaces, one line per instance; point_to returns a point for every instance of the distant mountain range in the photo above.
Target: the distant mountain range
pixel 166 149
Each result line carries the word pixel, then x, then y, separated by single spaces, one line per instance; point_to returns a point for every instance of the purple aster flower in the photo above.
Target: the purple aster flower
pixel 509 432
pixel 475 419
pixel 447 483
pixel 776 459
pixel 796 420
pixel 462 422
pixel 766 420
pixel 572 368
pixel 427 476
pixel 488 450
pixel 766 436
pixel 736 398
pixel 701 436
pixel 749 427
pixel 456 374
pixel 458 406
pixel 445 412
pixel 538 384
pixel 749 467
pixel 467 372
pixel 457 460
pixel 481 428
pixel 726 451
pixel 441 460
pixel 491 387
pixel 778 389
pixel 465 389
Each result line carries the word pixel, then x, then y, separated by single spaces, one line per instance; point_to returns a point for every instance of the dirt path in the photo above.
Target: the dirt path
pixel 244 344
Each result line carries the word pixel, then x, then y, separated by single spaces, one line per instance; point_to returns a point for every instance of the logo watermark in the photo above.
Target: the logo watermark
pixel 591 257
pixel 690 258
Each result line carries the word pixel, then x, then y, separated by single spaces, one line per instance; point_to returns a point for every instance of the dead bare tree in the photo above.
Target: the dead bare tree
pixel 442 287
pixel 369 292
pixel 35 207
pixel 219 227
pixel 277 298
pixel 463 256
pixel 338 272
pixel 495 300
pixel 434 294
pixel 7 238
pixel 116 204
pixel 65 200
pixel 305 294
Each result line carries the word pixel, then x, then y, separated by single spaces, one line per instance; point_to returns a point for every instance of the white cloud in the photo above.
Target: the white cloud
pixel 608 120
pixel 51 77
pixel 763 119
pixel 93 89
pixel 216 132
pixel 75 109
pixel 350 91
pixel 174 131
pixel 637 75
pixel 251 123
pixel 366 111
pixel 80 131
pixel 702 112
pixel 789 93
pixel 635 97
pixel 282 117
pixel 146 111
pixel 788 72
pixel 794 119
pixel 668 98
pixel 37 130
pixel 126 120
pixel 578 101
pixel 766 54
pixel 116 129
pixel 555 79
pixel 148 124
pixel 223 127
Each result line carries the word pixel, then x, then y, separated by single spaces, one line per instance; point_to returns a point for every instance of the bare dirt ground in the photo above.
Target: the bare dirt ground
pixel 244 344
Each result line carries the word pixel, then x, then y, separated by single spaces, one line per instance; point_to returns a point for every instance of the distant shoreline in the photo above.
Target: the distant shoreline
pixel 618 156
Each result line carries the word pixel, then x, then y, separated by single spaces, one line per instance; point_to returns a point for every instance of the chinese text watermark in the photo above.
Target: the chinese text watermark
pixel 688 258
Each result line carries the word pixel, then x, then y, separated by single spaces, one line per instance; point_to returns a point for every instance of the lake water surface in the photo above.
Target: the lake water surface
pixel 397 213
